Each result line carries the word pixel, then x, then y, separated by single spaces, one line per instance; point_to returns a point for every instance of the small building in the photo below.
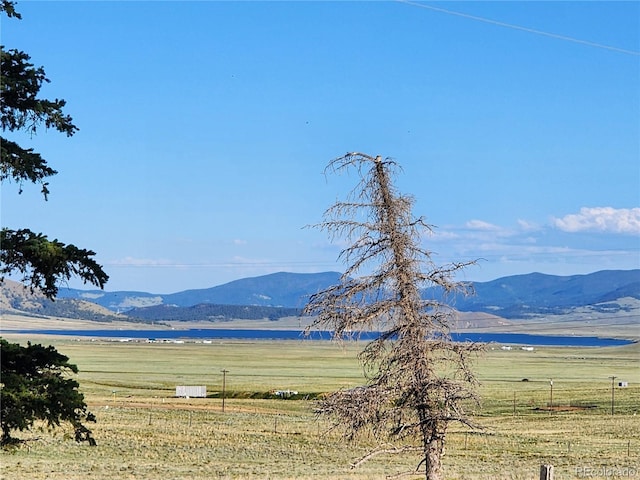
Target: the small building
pixel 187 391
pixel 623 384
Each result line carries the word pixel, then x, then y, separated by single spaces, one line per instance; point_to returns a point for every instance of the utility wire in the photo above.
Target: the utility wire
pixel 518 27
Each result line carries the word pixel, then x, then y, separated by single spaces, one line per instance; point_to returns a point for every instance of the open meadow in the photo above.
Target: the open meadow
pixel 143 432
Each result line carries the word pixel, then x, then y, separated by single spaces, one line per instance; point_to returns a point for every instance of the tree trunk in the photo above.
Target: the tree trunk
pixel 432 443
pixel 433 462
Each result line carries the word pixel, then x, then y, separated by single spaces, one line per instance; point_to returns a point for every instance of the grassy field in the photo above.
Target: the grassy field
pixel 145 433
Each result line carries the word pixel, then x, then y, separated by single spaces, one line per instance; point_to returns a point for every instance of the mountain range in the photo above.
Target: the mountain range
pixel 278 294
pixel 289 290
pixel 520 296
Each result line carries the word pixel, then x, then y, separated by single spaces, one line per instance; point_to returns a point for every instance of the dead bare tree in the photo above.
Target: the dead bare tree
pixel 418 379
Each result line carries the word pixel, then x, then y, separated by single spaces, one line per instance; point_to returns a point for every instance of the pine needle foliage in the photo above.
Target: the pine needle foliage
pixel 418 380
pixel 41 262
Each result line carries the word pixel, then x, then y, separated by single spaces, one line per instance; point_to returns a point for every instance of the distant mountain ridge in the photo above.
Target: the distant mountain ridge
pixel 520 296
pixel 282 289
pixel 283 294
pixel 17 299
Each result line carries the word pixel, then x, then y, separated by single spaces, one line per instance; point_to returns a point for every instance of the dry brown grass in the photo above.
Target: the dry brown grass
pixel 144 433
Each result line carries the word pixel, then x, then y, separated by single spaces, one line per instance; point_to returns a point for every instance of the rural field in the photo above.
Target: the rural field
pixel 143 432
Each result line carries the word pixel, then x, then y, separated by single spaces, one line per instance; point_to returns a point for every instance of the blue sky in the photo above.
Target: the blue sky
pixel 205 128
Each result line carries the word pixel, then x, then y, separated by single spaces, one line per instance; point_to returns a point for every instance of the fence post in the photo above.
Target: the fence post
pixel 546 472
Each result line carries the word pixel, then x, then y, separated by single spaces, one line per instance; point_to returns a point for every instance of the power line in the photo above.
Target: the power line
pixel 523 29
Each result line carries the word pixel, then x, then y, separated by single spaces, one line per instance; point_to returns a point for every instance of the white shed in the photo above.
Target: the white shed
pixel 187 391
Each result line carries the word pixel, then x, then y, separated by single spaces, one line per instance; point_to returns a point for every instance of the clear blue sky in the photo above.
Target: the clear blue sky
pixel 205 128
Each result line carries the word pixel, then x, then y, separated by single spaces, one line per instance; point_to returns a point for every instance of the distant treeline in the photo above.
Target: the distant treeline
pixel 211 312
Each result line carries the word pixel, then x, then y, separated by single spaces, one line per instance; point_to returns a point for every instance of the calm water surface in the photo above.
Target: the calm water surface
pixel 210 334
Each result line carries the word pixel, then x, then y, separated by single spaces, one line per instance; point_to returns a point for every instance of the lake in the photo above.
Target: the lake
pixel 211 333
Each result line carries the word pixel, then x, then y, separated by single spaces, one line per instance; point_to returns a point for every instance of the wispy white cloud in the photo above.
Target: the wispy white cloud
pixel 601 219
pixel 527 246
pixel 482 225
pixel 238 241
pixel 442 235
pixel 528 226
